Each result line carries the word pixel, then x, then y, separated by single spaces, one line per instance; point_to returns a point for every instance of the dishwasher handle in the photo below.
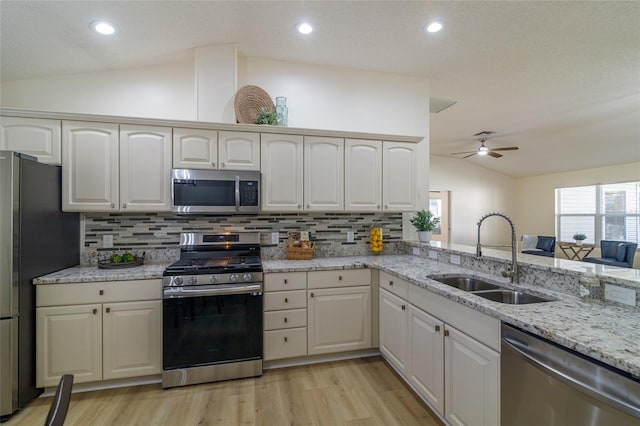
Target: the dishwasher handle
pixel 555 371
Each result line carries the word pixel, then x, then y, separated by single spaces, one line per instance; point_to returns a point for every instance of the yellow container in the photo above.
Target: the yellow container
pixel 375 240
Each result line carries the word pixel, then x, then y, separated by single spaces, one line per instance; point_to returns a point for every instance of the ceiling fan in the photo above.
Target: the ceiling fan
pixel 485 150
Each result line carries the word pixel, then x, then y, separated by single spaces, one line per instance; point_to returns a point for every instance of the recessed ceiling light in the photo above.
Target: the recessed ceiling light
pixel 305 28
pixel 103 27
pixel 434 27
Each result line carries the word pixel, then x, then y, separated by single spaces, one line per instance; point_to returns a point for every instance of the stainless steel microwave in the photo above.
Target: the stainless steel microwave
pixel 214 191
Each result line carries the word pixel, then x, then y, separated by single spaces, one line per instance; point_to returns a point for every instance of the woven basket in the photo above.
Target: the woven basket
pixel 249 100
pixel 299 253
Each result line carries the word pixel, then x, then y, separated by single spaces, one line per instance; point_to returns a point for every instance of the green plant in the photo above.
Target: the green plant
pixel 579 237
pixel 424 220
pixel 266 117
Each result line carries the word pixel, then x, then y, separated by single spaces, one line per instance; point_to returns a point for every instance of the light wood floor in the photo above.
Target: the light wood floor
pixel 354 392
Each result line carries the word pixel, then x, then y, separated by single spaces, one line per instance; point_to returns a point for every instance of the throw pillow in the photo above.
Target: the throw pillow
pixel 529 242
pixel 621 252
pixel 609 249
pixel 546 243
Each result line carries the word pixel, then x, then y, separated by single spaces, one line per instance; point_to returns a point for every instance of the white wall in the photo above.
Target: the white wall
pixel 535 196
pixel 163 91
pixel 475 191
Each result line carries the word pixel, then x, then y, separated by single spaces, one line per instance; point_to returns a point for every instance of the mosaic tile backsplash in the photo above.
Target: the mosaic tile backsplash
pixel 158 234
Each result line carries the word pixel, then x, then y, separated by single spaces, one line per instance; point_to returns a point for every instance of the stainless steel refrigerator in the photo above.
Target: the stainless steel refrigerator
pixel 36 238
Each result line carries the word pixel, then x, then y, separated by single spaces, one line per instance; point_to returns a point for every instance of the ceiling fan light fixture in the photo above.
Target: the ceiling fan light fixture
pixel 483 150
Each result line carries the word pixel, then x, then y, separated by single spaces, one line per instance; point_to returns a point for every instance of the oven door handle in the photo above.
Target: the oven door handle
pixel 211 290
pixel 237 193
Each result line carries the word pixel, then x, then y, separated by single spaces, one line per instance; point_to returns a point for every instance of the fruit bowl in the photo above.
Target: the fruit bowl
pixel 108 264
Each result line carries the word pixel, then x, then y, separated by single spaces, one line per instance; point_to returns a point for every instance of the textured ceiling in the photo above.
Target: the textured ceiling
pixel 559 79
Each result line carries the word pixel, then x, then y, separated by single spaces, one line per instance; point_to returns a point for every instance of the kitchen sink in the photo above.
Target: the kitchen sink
pixel 489 291
pixel 466 283
pixel 511 297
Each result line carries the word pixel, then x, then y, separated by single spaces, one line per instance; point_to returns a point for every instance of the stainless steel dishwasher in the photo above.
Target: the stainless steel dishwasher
pixel 545 384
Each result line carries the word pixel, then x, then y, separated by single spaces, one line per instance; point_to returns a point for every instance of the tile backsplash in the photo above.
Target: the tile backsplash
pixel 158 234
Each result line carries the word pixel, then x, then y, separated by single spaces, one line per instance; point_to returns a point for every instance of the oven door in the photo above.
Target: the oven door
pixel 208 325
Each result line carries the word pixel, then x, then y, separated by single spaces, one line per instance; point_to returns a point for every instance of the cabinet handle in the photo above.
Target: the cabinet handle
pixel 101 292
pixel 308 206
pixel 378 206
pixel 285 281
pixel 286 300
pixel 213 164
pixel 124 205
pixel 391 283
pixel 404 307
pixel 298 205
pixel 285 319
pixel 286 339
pixel 95 311
pixel 108 310
pixel 446 333
pixel 113 205
pixel 339 277
pixel 222 165
pixel 312 295
pixel 438 328
pixel 386 207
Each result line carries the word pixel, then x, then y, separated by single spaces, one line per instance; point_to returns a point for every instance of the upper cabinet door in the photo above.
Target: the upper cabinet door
pixel 37 137
pixel 399 176
pixel 195 149
pixel 89 166
pixel 282 176
pixel 145 168
pixel 323 173
pixel 362 175
pixel 239 151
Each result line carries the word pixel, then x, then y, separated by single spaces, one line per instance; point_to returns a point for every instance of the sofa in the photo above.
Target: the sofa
pixel 539 245
pixel 615 253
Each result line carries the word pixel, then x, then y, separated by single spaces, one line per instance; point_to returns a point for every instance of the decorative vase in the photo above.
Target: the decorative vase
pixel 375 240
pixel 282 112
pixel 424 236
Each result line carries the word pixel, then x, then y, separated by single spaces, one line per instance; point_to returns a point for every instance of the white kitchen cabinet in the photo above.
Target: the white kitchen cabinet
pixel 132 333
pixel 145 167
pixel 195 149
pixel 90 170
pixel 426 356
pixel 98 331
pixel 362 175
pixel 69 341
pixel 323 173
pixel 399 174
pixel 285 315
pixel 282 172
pixel 33 136
pixel 472 376
pixel 393 329
pixel 239 150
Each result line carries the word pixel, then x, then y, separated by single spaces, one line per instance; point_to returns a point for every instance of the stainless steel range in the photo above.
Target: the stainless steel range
pixel 212 309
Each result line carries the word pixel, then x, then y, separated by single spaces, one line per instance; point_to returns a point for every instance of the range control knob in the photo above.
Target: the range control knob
pixel 233 278
pixel 177 280
pixel 192 280
pixel 247 277
pixel 213 279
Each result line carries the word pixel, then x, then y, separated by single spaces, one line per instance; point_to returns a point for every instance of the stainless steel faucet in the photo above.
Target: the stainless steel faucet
pixel 513 272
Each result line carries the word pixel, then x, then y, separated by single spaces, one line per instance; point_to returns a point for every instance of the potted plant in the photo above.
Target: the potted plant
pixel 579 238
pixel 424 221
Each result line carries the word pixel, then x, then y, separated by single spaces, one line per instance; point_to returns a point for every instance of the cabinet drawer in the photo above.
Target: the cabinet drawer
pixel 98 292
pixel 280 281
pixel 292 318
pixel 339 278
pixel 395 285
pixel 279 300
pixel 285 343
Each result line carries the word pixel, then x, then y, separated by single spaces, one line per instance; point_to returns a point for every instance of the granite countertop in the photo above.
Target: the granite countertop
pixel 608 332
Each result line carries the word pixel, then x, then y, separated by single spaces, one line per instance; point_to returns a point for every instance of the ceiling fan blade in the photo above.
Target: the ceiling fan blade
pixel 494 154
pixel 465 152
pixel 507 148
pixel 470 155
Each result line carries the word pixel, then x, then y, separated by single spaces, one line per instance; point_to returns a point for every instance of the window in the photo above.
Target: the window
pixel 601 212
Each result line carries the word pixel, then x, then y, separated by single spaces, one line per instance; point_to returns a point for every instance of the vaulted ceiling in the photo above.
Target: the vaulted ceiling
pixel 561 80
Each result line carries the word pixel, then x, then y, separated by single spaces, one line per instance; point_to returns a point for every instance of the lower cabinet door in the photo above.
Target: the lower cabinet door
pixel 339 319
pixel 69 342
pixel 393 329
pixel 132 342
pixel 287 343
pixel 426 356
pixel 472 381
